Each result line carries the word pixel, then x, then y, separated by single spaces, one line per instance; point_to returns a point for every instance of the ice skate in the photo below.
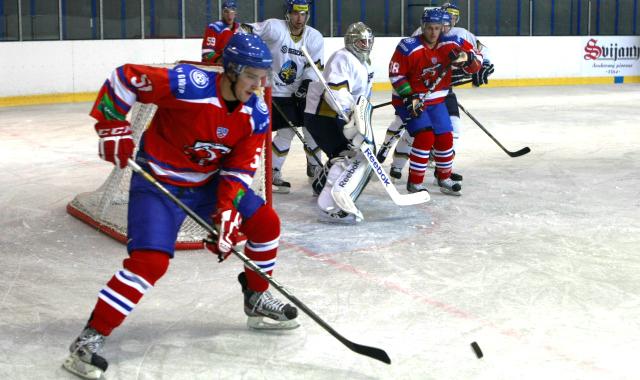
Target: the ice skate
pixel 84 360
pixel 415 187
pixel 448 186
pixel 395 173
pixel 279 185
pixel 265 312
pixel 455 177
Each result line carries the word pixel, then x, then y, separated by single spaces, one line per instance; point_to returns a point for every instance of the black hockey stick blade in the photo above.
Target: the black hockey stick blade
pixel 520 152
pixel 372 352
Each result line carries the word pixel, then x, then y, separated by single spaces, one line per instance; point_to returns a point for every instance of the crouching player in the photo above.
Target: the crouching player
pixel 349 75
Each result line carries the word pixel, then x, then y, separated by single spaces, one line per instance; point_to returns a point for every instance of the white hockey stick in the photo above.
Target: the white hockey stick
pixel 399 199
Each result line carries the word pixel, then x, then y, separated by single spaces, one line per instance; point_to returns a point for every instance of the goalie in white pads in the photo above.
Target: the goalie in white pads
pixel 290 79
pixel 349 75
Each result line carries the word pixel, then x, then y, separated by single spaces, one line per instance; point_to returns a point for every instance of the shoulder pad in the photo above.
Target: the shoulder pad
pixel 409 44
pixel 259 114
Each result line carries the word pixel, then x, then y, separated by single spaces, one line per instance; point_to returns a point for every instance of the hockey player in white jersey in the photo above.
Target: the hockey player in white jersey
pixel 291 76
pixel 395 131
pixel 349 75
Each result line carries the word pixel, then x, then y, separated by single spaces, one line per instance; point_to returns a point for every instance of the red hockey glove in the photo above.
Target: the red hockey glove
pixel 116 144
pixel 228 224
pixel 414 105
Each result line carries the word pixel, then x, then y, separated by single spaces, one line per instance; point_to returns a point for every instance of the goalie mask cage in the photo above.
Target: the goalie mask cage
pixel 106 208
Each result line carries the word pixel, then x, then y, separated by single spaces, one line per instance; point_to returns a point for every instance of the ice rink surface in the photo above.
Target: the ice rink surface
pixel 538 260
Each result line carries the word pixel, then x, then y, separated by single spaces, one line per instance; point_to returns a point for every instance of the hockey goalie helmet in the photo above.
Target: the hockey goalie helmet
pixel 358 39
pixel 246 50
pixel 453 10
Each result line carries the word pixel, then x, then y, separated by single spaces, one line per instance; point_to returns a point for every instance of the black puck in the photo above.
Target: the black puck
pixel 477 350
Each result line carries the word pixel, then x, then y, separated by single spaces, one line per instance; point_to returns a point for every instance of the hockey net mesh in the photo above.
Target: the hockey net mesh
pixel 106 207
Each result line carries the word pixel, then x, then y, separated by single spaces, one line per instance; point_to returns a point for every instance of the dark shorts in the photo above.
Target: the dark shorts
pixel 327 132
pixel 293 110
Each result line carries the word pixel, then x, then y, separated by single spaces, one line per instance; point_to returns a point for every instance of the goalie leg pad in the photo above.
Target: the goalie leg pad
pixel 352 181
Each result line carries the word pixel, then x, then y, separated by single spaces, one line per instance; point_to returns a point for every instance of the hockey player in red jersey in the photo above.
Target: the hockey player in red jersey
pixel 204 144
pixel 218 34
pixel 420 73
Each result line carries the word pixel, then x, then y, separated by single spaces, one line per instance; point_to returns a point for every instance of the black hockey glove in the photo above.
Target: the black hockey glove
pixel 459 77
pixel 482 76
pixel 301 92
pixel 414 105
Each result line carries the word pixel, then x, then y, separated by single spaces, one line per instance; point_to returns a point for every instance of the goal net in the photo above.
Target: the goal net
pixel 106 207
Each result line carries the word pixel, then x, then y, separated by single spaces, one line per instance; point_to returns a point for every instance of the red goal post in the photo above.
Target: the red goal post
pixel 105 208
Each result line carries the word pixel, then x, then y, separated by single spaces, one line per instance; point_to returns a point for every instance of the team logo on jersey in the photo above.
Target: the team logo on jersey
pixel 262 106
pixel 205 153
pixel 199 78
pixel 288 72
pixel 222 132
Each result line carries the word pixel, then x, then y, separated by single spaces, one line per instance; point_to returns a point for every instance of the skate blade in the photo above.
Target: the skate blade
pixel 281 190
pixel 444 190
pixel 85 370
pixel 264 323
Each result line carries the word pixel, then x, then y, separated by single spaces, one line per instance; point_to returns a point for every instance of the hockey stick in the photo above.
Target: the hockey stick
pixel 372 352
pixel 295 130
pixel 381 105
pixel 517 153
pixel 399 199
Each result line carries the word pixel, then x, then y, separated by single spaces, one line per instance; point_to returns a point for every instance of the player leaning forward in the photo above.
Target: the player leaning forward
pixel 203 144
pixel 291 77
pixel 420 73
pixel 348 74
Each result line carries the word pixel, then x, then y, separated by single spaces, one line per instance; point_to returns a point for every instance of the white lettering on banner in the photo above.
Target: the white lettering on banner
pixel 376 166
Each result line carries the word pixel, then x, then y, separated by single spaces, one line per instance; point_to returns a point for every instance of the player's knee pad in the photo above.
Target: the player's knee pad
pixel 424 140
pixel 262 226
pixel 443 141
pixel 150 265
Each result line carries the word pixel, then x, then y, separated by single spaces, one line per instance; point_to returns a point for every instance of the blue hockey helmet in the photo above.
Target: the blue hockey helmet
pixel 230 4
pixel 446 18
pixel 432 16
pixel 296 6
pixel 246 50
pixel 453 10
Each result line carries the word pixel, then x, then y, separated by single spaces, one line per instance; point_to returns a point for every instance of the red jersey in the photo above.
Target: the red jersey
pixel 192 136
pixel 216 37
pixel 415 68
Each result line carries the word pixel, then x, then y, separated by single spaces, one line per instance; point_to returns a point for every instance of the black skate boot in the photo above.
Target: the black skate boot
pixel 395 173
pixel 415 187
pixel 265 312
pixel 84 360
pixel 455 177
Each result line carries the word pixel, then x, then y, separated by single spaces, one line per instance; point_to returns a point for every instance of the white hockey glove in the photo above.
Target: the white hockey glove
pixel 354 132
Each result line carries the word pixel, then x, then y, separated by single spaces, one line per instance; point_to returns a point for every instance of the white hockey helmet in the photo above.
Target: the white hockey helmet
pixel 358 39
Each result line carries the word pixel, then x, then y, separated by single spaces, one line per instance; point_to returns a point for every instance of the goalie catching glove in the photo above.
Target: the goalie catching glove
pixel 116 144
pixel 227 223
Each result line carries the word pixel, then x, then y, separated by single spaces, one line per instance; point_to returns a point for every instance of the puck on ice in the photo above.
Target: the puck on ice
pixel 476 350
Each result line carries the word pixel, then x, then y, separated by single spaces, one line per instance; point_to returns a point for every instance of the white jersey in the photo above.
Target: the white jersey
pixel 347 77
pixel 290 67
